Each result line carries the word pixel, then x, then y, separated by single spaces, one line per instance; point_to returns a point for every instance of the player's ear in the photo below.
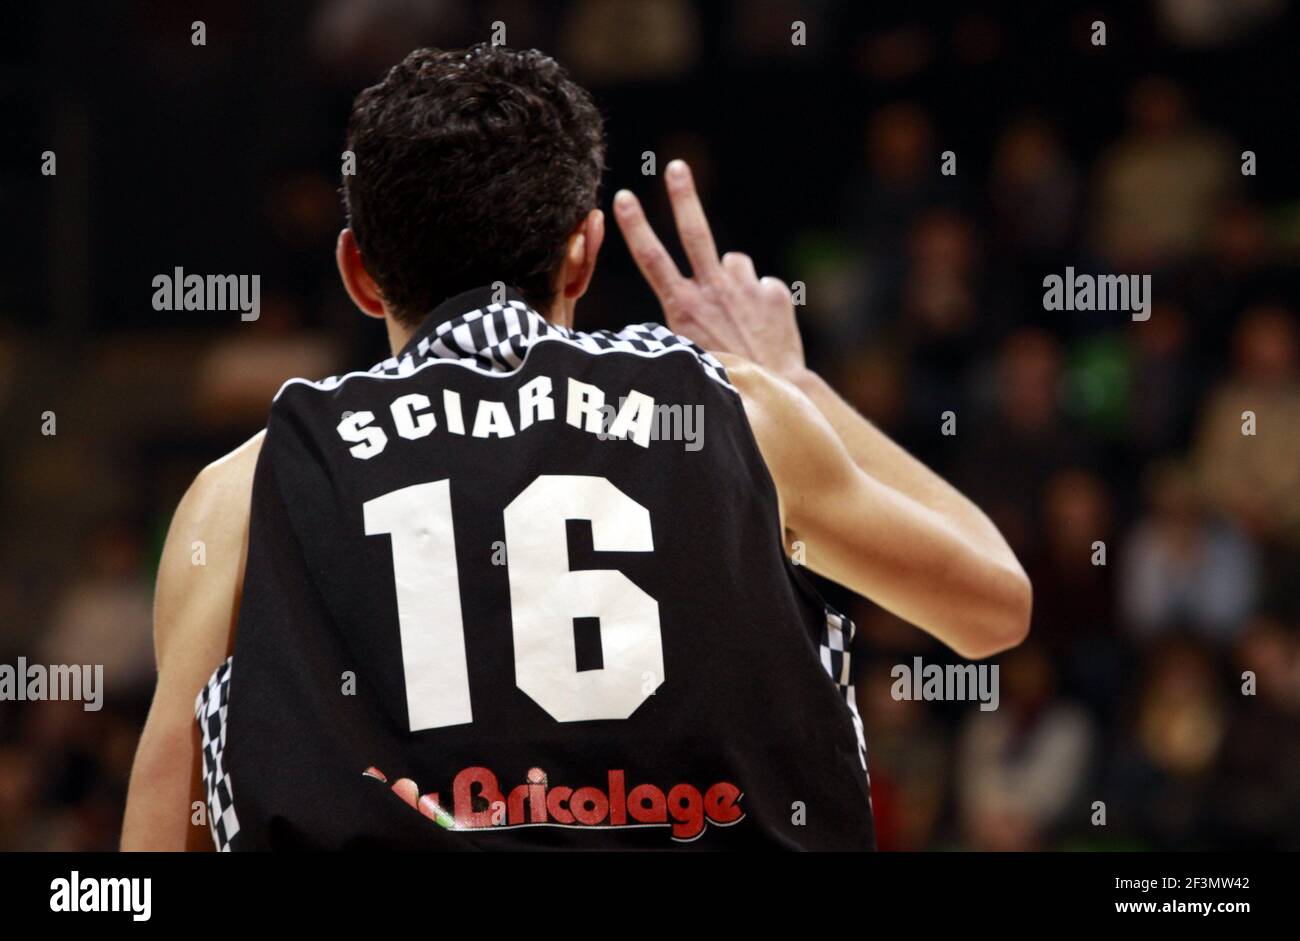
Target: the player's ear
pixel 580 255
pixel 356 280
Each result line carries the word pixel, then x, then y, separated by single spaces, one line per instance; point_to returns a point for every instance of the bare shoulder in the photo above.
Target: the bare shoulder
pixel 800 449
pixel 202 566
pixel 768 398
pixel 749 378
pixel 785 421
pixel 215 509
pixel 225 485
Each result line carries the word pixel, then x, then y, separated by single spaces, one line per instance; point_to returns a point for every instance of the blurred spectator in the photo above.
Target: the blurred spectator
pixel 760 30
pixel 1158 186
pixel 1255 477
pixel 1098 384
pixel 1035 190
pixel 105 615
pixel 80 764
pixel 881 207
pixel 1164 379
pixel 875 381
pixel 1239 268
pixel 611 41
pixel 939 302
pixel 361 39
pixel 895 55
pixel 938 306
pixel 18 790
pixel 1021 769
pixel 1182 567
pixel 1162 784
pixel 1006 458
pixel 1257 803
pixel 1073 594
pixel 909 763
pixel 901 180
pixel 1206 23
pixel 240 373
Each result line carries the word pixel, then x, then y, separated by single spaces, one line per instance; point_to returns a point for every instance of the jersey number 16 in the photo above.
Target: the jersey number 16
pixel 545 598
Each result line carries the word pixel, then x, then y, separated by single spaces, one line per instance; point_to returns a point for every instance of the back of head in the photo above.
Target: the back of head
pixel 472 166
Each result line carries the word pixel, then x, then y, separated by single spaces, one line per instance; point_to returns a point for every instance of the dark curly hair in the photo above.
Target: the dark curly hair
pixel 472 166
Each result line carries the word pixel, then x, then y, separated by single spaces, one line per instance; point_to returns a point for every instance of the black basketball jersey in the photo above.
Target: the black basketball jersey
pixel 524 587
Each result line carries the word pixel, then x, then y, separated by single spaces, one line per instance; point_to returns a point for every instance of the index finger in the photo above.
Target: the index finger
pixel 692 224
pixel 652 259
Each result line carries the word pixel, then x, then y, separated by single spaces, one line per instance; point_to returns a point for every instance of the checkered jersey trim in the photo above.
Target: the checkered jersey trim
pixel 496 339
pixel 836 638
pixel 210 709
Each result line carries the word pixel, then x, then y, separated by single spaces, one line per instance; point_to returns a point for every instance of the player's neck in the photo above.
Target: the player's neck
pixel 399 333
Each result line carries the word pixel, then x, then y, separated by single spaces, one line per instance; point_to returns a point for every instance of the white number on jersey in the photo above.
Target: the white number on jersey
pixel 545 598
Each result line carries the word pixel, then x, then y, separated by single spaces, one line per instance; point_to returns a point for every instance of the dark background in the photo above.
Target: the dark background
pixel 924 294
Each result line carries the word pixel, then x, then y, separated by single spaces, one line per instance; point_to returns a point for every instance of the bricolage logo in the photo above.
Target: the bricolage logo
pixel 478 803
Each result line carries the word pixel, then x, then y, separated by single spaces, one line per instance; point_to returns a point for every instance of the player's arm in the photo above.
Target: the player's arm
pixel 196 603
pixel 726 308
pixel 924 563
pixel 881 457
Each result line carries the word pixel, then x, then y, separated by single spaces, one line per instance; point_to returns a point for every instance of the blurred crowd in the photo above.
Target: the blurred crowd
pixel 1147 473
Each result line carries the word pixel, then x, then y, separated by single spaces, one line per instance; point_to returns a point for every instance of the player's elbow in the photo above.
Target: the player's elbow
pixel 1005 616
pixel 159 798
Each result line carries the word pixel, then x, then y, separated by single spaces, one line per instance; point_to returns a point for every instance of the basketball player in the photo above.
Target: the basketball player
pixel 483 596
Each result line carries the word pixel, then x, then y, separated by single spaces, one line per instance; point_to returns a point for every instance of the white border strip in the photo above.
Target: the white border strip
pixel 334 382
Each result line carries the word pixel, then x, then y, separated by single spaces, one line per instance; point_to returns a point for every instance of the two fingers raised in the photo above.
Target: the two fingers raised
pixel 653 260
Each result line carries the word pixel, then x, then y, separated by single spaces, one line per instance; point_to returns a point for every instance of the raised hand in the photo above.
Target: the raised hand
pixel 724 306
